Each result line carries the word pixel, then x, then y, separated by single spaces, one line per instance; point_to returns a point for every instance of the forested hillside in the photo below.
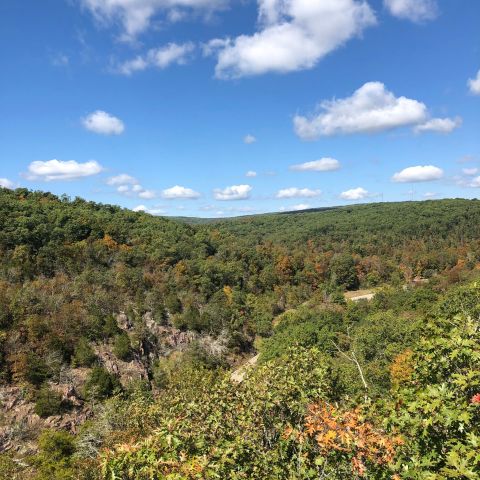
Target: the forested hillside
pixel 119 332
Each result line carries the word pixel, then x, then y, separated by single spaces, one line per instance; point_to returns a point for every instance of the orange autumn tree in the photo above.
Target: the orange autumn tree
pixel 349 437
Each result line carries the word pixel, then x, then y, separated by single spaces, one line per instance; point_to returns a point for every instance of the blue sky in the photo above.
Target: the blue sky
pixel 165 105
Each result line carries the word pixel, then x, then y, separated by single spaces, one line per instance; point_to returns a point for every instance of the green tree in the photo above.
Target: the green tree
pixel 343 272
pixel 48 402
pixel 101 384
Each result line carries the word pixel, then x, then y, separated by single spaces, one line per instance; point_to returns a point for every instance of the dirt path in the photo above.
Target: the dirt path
pixel 360 295
pixel 238 375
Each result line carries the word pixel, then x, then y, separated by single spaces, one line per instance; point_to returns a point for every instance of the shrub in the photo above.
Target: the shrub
pixel 48 402
pixel 122 348
pixel 37 370
pixel 101 384
pixel 54 460
pixel 9 469
pixel 84 355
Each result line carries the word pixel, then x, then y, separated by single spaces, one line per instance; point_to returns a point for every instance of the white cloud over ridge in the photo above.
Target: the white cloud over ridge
pixel 358 193
pixel 52 170
pixel 295 208
pixel 294 192
pixel 151 211
pixel 293 35
pixel 414 10
pixel 162 57
pixel 6 183
pixel 135 16
pixel 180 192
pixel 425 173
pixel 325 164
pixel 474 84
pixel 235 192
pixel 103 123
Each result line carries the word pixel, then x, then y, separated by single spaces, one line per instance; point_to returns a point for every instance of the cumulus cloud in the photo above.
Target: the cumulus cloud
pixel 147 194
pixel 296 208
pixel 325 164
pixel 6 183
pixel 294 192
pixel 180 192
pixel 293 35
pixel 358 193
pixel 372 108
pixel 474 84
pixel 470 171
pixel 439 125
pixel 419 173
pixel 235 192
pixel 135 16
pixel 301 206
pixel 415 10
pixel 151 211
pixel 103 123
pixel 249 139
pixel 251 174
pixel 429 195
pixel 162 58
pixel 130 187
pixel 122 179
pixel 475 183
pixel 52 170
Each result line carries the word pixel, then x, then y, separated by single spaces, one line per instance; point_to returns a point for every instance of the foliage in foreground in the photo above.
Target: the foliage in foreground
pixel 280 423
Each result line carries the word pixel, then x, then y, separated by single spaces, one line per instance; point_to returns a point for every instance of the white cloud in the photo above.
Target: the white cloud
pixel 475 182
pixel 372 108
pixel 295 208
pixel 103 123
pixel 151 211
pixel 130 187
pixel 294 192
pixel 147 194
pixel 249 139
pixel 235 192
pixel 51 170
pixel 122 179
pixel 415 10
pixel 358 193
pixel 140 208
pixel 251 174
pixel 429 195
pixel 474 84
pixel 135 16
pixel 419 173
pixel 323 165
pixel 6 183
pixel 162 58
pixel 180 192
pixel 470 171
pixel 440 125
pixel 293 35
pixel 301 206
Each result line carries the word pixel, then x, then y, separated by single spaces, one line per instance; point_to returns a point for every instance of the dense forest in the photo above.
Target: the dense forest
pixel 140 347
